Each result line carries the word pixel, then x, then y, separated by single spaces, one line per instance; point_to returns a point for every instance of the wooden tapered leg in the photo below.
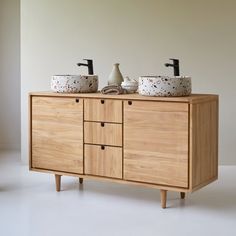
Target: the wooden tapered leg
pixel 182 195
pixel 163 198
pixel 58 182
pixel 81 180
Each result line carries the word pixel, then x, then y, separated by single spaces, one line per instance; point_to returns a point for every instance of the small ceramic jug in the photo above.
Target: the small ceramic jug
pixel 115 78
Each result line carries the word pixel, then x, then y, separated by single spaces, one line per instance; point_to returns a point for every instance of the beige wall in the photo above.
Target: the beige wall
pixel 139 34
pixel 9 74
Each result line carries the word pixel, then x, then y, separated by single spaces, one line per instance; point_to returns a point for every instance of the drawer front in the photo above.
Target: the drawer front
pixel 103 161
pixel 103 133
pixel 105 110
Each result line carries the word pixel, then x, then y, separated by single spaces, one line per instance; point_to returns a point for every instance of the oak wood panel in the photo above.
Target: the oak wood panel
pixel 193 98
pixel 103 133
pixel 114 180
pixel 30 130
pixel 107 162
pixel 203 143
pixel 104 110
pixel 199 186
pixel 156 143
pixel 57 134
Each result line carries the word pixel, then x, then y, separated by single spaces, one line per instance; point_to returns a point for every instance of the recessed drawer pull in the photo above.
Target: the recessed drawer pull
pixel 102 101
pixel 103 147
pixel 102 124
pixel 77 100
pixel 130 102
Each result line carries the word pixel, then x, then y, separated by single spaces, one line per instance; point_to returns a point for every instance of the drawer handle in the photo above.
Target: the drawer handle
pixel 130 102
pixel 102 124
pixel 102 101
pixel 77 100
pixel 103 147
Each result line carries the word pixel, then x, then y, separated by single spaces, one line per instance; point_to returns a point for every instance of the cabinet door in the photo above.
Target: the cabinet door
pixel 57 134
pixel 156 142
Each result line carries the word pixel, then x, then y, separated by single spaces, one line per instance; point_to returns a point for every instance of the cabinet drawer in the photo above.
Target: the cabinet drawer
pixel 105 110
pixel 103 133
pixel 103 161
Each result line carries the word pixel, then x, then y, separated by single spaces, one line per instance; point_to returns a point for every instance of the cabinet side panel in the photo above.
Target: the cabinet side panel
pixel 30 129
pixel 203 143
pixel 57 134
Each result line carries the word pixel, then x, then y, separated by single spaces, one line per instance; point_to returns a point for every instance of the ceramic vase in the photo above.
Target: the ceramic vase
pixel 115 78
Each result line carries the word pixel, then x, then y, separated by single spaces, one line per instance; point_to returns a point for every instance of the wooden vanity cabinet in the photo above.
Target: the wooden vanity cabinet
pixel 165 143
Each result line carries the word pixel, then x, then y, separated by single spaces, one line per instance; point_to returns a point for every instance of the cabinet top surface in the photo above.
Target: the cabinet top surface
pixel 193 98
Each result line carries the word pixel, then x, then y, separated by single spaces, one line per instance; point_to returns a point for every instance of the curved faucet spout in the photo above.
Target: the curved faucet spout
pixel 89 65
pixel 175 65
pixel 82 64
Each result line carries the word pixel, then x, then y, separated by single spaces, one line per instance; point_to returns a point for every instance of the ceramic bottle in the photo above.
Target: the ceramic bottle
pixel 115 77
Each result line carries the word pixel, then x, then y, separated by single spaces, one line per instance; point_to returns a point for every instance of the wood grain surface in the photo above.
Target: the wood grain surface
pixel 57 134
pixel 156 143
pixel 103 133
pixel 103 162
pixel 203 143
pixel 104 110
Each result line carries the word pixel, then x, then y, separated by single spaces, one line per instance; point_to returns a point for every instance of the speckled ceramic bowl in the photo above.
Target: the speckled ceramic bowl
pixel 74 83
pixel 165 86
pixel 130 86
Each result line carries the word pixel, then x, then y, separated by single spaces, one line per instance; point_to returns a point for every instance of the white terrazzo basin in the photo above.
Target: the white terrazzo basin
pixel 164 86
pixel 74 83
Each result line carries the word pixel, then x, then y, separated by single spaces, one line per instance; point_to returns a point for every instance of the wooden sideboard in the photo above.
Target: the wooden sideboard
pixel 169 143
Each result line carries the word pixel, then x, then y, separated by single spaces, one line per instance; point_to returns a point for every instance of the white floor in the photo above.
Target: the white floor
pixel 30 206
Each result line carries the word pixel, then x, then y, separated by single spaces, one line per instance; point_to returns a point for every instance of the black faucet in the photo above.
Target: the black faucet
pixel 175 65
pixel 89 65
